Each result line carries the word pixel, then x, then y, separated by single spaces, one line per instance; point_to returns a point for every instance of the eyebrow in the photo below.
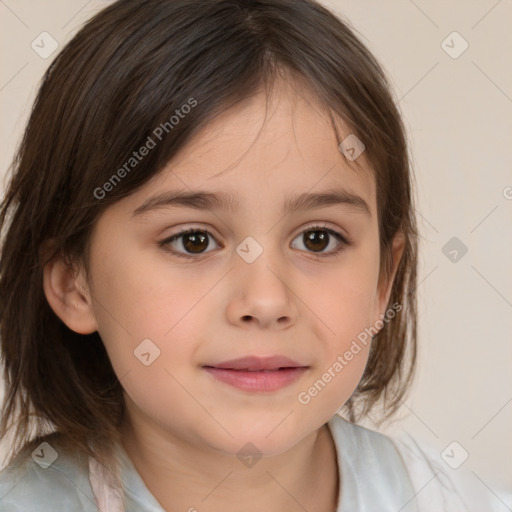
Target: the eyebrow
pixel 202 200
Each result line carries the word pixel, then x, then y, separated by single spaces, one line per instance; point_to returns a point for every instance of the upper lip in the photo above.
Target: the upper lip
pixel 254 363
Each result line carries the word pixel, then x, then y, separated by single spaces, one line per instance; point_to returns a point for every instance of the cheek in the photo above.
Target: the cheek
pixel 144 322
pixel 345 299
pixel 346 345
pixel 345 304
pixel 137 299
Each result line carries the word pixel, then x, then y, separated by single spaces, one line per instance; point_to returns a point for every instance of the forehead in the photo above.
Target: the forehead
pixel 270 145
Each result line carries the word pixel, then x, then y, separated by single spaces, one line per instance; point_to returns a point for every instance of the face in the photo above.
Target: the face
pixel 252 278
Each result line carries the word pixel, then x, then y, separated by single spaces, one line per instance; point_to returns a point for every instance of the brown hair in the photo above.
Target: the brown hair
pixel 123 74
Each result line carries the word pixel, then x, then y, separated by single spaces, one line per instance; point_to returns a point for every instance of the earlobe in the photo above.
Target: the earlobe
pixel 70 300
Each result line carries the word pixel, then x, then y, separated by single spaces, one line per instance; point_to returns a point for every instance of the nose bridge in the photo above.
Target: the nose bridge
pixel 262 261
pixel 261 289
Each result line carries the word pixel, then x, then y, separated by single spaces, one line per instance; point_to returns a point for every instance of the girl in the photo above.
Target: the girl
pixel 209 251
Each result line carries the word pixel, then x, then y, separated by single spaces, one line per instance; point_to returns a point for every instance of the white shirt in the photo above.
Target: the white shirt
pixel 376 475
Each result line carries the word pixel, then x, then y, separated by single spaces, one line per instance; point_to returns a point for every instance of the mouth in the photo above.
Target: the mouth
pixel 257 374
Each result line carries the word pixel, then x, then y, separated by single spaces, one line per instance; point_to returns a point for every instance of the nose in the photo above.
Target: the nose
pixel 262 294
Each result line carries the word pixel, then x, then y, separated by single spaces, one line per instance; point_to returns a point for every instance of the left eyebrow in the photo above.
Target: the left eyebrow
pixel 202 200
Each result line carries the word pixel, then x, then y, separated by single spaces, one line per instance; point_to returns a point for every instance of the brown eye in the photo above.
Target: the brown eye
pixel 318 239
pixel 195 242
pixel 188 243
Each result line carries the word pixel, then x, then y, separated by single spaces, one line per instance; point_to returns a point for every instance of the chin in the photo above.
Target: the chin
pixel 266 437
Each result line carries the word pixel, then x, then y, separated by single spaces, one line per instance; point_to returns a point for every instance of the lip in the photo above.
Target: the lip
pixel 258 374
pixel 256 363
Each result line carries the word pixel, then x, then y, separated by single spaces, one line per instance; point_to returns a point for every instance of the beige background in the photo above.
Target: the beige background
pixel 458 112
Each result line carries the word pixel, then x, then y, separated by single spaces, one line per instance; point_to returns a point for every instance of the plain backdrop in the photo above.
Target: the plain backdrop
pixel 457 106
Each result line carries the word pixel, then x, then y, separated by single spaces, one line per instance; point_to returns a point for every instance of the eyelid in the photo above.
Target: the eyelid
pixel 327 227
pixel 343 240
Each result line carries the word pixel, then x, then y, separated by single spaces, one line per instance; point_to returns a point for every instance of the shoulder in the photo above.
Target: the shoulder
pixel 46 478
pixel 445 487
pixel 371 467
pixel 364 446
pixel 398 458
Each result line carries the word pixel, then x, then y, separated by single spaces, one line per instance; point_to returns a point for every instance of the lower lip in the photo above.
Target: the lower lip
pixel 260 381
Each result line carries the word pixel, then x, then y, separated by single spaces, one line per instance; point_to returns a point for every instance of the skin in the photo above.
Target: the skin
pixel 184 428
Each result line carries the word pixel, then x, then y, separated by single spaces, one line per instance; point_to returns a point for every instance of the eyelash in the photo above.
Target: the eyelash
pixel 344 242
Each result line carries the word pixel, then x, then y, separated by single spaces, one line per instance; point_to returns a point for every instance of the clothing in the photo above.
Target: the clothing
pixel 374 478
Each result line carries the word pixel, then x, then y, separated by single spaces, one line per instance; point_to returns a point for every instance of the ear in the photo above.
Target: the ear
pixel 386 280
pixel 68 294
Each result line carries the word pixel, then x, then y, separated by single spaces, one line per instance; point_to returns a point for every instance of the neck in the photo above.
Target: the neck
pixel 183 476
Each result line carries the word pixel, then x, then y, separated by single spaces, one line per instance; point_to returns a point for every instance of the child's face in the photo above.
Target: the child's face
pixel 220 305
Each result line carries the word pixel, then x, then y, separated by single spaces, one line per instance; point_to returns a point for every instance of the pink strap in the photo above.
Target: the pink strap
pixel 108 498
